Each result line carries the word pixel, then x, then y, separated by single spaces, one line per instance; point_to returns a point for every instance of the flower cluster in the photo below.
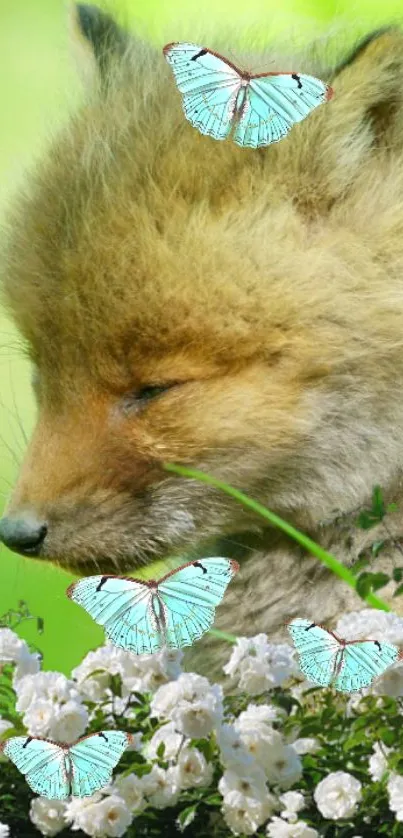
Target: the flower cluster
pixel 273 758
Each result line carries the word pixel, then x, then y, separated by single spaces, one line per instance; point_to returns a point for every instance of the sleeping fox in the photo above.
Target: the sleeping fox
pixel 235 310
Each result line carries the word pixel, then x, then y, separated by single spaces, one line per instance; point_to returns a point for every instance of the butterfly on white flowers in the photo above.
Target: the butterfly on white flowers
pixel 143 616
pixel 60 771
pixel 346 665
pixel 219 99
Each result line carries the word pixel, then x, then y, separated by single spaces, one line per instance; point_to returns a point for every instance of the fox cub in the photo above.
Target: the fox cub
pixel 239 311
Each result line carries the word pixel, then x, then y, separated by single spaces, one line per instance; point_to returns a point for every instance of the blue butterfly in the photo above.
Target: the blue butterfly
pixel 218 98
pixel 60 771
pixel 145 616
pixel 346 665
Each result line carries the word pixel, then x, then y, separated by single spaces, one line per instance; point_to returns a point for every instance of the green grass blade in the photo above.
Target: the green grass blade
pixel 326 558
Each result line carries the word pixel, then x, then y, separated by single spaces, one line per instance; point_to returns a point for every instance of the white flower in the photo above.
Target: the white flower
pixel 15 650
pixel 99 818
pixel 106 661
pixel 197 719
pixel 277 828
pixel 260 713
pixel 188 687
pixel 171 739
pixel 390 683
pixel 395 793
pixel 260 665
pixel 70 722
pixel 5 725
pixel 4 830
pixel 10 646
pixel 39 717
pixel 193 769
pixel 285 769
pixel 51 706
pixel 377 762
pixel 130 789
pixel 63 723
pixel 47 815
pixel 250 784
pixel 245 814
pixel 233 752
pixel 159 668
pixel 139 673
pixel 259 738
pixel 337 795
pixel 280 762
pixel 27 664
pixel 293 802
pixel 52 686
pixel 75 806
pixel 306 745
pixel 255 676
pixel 161 787
pixel 191 703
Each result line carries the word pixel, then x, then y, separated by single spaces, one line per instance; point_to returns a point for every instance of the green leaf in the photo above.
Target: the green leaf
pixel 377 546
pixel 397 574
pixel 366 521
pixel 161 750
pixel 369 518
pixel 368 582
pixel 356 739
pixel 205 746
pixel 186 817
pixel 213 800
pixel 116 685
pixel 363 561
pixel 398 591
pixel 388 736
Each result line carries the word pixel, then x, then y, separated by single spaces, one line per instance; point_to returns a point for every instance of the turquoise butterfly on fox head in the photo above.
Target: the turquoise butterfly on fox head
pixel 220 99
pixel 145 616
pixel 330 661
pixel 59 771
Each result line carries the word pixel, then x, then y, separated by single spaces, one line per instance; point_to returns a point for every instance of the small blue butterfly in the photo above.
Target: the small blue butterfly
pixel 145 616
pixel 346 665
pixel 60 771
pixel 218 98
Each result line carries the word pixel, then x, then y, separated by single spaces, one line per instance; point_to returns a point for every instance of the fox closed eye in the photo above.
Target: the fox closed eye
pixel 140 398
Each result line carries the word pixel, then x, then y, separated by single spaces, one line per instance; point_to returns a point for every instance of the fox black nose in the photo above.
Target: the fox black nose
pixel 23 535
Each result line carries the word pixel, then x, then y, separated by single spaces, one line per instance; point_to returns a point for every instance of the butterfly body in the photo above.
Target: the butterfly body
pixel 220 99
pixel 144 616
pixel 58 771
pixel 329 660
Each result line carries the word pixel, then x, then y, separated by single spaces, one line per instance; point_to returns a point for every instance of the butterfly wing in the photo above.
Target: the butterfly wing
pixel 274 103
pixel 123 607
pixel 42 763
pixel 190 596
pixel 209 86
pixel 362 663
pixel 317 650
pixel 93 760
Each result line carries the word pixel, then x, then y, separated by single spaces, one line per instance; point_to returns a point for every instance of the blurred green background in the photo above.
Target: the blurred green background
pixel 38 86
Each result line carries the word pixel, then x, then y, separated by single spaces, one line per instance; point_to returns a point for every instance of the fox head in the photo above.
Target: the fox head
pixel 184 300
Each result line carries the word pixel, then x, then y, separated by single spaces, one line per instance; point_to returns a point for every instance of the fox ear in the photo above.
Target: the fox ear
pixel 363 119
pixel 369 86
pixel 96 39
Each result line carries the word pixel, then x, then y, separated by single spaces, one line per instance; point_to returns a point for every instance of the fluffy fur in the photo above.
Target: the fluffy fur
pixel 266 286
